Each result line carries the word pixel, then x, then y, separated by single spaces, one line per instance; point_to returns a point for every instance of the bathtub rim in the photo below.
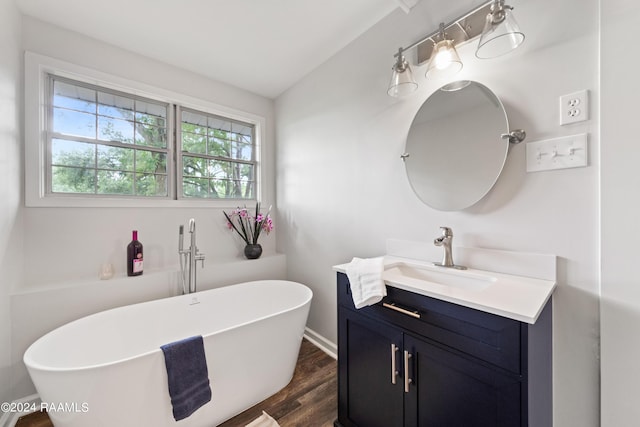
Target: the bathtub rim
pixel 30 364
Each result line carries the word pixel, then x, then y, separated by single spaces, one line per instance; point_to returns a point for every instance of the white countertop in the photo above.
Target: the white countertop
pixel 515 297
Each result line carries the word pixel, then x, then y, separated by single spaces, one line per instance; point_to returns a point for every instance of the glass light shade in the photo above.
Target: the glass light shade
pixel 402 82
pixel 500 35
pixel 444 60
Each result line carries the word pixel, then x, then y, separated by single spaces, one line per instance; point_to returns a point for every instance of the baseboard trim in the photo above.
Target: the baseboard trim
pixel 9 419
pixel 321 342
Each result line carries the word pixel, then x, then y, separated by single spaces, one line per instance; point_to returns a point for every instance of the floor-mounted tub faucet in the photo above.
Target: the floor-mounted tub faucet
pixel 188 259
pixel 445 241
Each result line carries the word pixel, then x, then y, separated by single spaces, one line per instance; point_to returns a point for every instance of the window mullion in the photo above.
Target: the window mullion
pixel 95 164
pixel 218 158
pixel 117 144
pixel 135 152
pixel 177 155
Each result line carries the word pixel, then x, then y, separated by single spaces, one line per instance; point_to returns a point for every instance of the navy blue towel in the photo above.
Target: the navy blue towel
pixel 187 375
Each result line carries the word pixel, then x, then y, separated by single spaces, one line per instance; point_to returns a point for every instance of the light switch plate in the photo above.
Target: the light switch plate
pixel 557 153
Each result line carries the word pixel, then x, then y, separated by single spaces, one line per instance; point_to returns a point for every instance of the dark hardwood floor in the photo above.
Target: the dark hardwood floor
pixel 37 419
pixel 310 399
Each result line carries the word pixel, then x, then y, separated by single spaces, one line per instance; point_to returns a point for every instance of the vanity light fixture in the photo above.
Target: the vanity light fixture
pixel 402 82
pixel 492 21
pixel 501 33
pixel 445 60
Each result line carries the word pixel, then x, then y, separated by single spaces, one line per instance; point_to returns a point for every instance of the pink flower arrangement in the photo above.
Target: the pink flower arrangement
pixel 249 227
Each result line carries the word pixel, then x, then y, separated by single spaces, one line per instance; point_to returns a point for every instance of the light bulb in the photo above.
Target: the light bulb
pixel 443 59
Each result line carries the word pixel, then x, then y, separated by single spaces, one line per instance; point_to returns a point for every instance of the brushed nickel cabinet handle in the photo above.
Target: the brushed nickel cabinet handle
pixel 394 369
pixel 407 380
pixel 393 306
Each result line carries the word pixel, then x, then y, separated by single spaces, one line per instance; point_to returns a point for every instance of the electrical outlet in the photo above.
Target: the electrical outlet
pixel 574 107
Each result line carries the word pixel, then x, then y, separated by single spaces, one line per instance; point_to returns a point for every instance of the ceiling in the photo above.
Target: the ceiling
pixel 263 46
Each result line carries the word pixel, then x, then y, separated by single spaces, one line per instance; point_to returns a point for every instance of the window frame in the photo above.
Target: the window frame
pixel 38 68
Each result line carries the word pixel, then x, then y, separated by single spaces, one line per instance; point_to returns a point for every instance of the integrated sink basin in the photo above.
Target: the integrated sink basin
pixel 414 274
pixel 516 297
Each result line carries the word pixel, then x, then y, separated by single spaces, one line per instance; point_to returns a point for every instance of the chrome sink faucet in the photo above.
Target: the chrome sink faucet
pixel 188 259
pixel 445 241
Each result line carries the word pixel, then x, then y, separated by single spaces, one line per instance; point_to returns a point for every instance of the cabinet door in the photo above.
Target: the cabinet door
pixel 451 390
pixel 367 395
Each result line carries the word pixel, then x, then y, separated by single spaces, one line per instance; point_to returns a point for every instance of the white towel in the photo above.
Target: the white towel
pixel 365 278
pixel 263 420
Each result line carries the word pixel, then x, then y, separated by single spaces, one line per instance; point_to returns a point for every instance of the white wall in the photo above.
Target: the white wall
pixel 10 181
pixel 342 189
pixel 620 210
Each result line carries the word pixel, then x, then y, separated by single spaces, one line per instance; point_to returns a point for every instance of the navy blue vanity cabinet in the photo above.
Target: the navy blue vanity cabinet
pixel 433 363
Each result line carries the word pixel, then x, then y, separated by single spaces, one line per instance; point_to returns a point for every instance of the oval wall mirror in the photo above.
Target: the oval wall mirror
pixel 457 146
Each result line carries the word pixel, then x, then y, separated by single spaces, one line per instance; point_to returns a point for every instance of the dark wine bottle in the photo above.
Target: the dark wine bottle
pixel 134 256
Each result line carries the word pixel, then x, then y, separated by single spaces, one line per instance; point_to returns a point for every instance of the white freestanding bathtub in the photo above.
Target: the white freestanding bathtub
pixel 107 369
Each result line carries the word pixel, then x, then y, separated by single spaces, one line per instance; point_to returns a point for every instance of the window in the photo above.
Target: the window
pixel 218 157
pixel 99 140
pixel 102 142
